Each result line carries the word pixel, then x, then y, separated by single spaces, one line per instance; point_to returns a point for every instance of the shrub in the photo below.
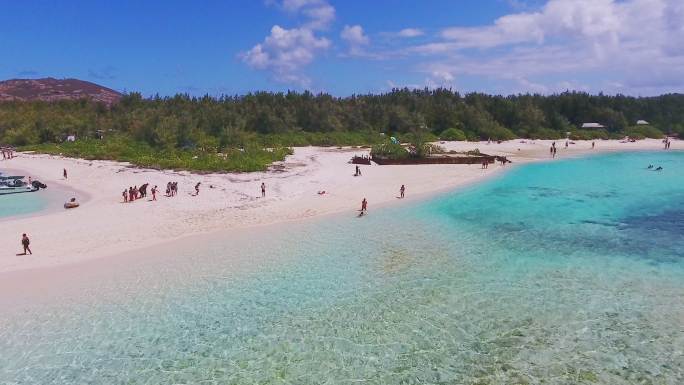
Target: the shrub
pixel 589 134
pixel 250 158
pixel 496 132
pixel 452 134
pixel 389 150
pixel 428 149
pixel 640 132
pixel 545 133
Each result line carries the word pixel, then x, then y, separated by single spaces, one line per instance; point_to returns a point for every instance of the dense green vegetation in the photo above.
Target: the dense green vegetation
pixel 250 158
pixel 233 133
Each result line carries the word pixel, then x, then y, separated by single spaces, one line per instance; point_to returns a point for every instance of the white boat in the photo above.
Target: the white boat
pixel 14 185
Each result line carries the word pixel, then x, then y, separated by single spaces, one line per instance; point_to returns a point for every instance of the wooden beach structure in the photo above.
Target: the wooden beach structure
pixel 361 160
pixel 441 159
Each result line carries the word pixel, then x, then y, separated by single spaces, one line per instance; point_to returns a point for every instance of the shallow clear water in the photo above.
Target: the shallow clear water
pixel 558 273
pixel 21 204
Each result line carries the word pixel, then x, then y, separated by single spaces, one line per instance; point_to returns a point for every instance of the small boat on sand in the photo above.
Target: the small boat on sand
pixel 72 204
pixel 15 184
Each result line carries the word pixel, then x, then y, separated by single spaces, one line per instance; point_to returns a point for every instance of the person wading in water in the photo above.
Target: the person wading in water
pixel 364 207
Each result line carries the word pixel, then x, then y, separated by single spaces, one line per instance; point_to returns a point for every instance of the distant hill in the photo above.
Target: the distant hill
pixel 50 89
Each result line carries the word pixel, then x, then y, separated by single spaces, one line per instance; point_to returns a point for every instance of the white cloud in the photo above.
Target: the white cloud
pixel 320 13
pixel 636 43
pixel 354 35
pixel 629 46
pixel 285 52
pixel 559 18
pixel 410 32
pixel 320 16
pixel 440 78
pixel 355 38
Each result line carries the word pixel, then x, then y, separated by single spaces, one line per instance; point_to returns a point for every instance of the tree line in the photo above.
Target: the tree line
pixel 183 122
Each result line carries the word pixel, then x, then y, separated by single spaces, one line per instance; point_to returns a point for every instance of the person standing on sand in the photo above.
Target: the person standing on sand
pixel 364 205
pixel 402 190
pixel 154 193
pixel 25 242
pixel 197 188
pixel 125 195
pixel 64 172
pixel 593 144
pixel 263 190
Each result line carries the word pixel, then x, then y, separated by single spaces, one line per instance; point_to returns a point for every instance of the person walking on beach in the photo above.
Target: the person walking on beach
pixel 197 188
pixel 125 195
pixel 402 190
pixel 593 144
pixel 64 172
pixel 154 193
pixel 131 196
pixel 25 242
pixel 143 190
pixel 263 190
pixel 358 171
pixel 364 206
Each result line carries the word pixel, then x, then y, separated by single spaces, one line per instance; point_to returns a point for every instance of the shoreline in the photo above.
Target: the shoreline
pixel 186 216
pixel 53 194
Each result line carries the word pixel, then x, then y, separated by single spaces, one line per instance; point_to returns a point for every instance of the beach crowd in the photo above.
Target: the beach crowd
pixel 7 152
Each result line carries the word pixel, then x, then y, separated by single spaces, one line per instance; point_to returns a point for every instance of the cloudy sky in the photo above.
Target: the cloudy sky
pixel 632 47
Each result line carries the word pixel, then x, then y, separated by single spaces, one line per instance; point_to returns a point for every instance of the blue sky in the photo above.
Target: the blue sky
pixel 343 47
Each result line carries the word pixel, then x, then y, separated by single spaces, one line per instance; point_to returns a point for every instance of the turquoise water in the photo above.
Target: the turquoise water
pixel 558 273
pixel 21 204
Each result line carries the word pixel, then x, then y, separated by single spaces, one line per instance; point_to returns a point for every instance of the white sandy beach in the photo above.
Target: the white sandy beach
pixel 104 226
